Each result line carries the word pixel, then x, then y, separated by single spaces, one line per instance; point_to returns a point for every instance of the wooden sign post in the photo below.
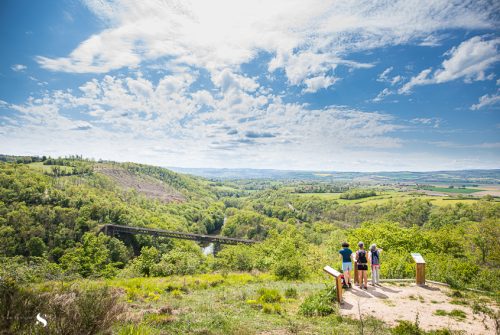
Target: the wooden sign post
pixel 338 281
pixel 420 268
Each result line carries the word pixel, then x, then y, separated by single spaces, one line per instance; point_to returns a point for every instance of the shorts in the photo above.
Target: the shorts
pixel 347 266
pixel 375 266
pixel 362 267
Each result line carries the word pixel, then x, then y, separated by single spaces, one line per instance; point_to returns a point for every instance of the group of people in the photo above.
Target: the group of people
pixel 362 258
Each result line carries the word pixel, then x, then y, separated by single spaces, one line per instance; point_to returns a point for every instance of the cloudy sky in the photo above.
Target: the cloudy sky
pixel 341 85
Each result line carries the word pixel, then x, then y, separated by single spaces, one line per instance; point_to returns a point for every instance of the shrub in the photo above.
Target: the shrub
pixel 319 304
pixel 289 268
pixel 407 328
pixel 357 194
pixel 28 269
pixel 69 312
pixel 271 308
pixel 180 261
pixel 291 292
pixel 269 295
pixel 238 258
pixel 83 311
pixel 18 308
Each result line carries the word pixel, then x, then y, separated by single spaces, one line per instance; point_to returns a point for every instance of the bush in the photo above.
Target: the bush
pixel 407 328
pixel 69 312
pixel 269 295
pixel 291 293
pixel 357 194
pixel 320 303
pixel 18 308
pixel 184 260
pixel 290 268
pixel 271 308
pixel 83 311
pixel 237 258
pixel 28 269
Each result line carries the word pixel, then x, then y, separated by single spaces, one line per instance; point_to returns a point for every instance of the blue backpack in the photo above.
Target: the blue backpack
pixel 375 257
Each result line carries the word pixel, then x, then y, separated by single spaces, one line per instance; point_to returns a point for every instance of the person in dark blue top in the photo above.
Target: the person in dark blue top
pixel 346 255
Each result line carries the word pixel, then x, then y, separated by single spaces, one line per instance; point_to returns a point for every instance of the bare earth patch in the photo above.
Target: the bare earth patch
pixel 391 303
pixel 149 187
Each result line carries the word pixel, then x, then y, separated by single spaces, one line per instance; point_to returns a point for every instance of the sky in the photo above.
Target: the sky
pixel 344 85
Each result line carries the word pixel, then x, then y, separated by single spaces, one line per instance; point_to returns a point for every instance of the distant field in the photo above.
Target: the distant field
pixel 320 195
pixel 48 168
pixel 386 196
pixel 454 190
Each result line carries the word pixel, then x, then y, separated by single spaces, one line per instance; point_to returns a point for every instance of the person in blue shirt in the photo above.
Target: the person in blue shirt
pixel 346 255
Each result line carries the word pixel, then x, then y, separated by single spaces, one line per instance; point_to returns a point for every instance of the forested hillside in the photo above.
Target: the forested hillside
pixel 51 211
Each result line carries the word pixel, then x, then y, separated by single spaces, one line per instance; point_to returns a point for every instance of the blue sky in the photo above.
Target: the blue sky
pixel 319 85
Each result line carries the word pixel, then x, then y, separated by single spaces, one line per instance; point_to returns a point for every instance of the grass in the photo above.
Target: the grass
pixel 48 168
pixel 455 313
pixel 238 305
pixel 453 190
pixel 233 303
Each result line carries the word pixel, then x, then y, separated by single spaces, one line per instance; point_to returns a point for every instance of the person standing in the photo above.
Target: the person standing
pixel 374 258
pixel 362 263
pixel 346 255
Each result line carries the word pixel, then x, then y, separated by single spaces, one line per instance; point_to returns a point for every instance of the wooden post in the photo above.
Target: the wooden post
pixel 420 268
pixel 356 279
pixel 338 281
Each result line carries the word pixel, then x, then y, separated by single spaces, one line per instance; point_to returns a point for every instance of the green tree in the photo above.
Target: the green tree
pixel 36 247
pixel 145 262
pixel 485 237
pixel 90 257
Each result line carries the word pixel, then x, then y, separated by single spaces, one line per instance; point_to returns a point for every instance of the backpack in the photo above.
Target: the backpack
pixel 362 257
pixel 375 257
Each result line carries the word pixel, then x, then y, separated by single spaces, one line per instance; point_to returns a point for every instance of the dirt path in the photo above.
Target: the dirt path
pixel 391 302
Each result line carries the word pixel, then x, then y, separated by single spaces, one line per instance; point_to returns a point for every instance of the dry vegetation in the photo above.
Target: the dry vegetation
pixel 147 186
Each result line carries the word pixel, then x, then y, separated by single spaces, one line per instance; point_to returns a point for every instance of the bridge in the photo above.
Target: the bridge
pixel 117 230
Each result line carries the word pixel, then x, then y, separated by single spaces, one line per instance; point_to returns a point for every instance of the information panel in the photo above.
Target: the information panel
pixel 418 258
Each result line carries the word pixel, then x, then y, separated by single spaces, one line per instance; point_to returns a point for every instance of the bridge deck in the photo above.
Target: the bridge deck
pixel 112 229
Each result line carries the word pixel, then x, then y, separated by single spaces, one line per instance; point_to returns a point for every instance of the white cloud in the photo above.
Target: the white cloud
pixel 227 80
pixel 486 100
pixel 431 41
pixel 469 61
pixel 484 145
pixel 145 118
pixel 316 83
pixel 18 67
pixel 381 96
pixel 420 79
pixel 433 121
pixel 385 78
pixel 396 79
pixel 307 39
